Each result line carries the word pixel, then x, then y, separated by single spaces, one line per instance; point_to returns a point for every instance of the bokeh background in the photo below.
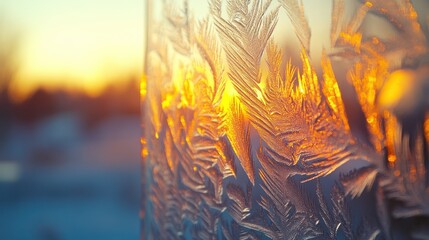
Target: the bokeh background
pixel 70 118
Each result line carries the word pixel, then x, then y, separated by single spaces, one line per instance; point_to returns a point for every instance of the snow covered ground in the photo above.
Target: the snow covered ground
pixel 62 181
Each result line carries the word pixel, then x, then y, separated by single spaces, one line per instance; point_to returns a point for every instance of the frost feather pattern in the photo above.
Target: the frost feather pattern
pixel 244 142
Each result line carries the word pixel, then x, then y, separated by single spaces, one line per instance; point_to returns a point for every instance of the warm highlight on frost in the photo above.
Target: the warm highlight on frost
pixel 241 143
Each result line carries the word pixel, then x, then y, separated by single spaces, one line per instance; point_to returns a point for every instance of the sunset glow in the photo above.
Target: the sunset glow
pixel 74 45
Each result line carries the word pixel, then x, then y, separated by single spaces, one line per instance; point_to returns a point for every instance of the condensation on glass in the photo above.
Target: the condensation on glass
pixel 286 120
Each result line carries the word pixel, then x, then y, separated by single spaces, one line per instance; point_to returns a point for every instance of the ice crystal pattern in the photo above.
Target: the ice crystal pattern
pixel 241 142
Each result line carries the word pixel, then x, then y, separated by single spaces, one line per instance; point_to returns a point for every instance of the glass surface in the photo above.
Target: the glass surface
pixel 286 120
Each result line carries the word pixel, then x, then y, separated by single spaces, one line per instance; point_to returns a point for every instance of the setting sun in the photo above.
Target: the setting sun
pixel 74 45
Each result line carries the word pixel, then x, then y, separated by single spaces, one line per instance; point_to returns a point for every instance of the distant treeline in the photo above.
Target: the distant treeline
pixel 115 100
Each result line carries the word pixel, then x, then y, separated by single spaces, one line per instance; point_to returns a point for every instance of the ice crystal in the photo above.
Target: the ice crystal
pixel 244 141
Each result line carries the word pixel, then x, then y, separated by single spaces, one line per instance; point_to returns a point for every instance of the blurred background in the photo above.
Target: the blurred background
pixel 69 119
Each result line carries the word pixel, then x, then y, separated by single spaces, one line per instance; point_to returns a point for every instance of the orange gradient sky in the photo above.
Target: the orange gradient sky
pixel 75 45
pixel 87 44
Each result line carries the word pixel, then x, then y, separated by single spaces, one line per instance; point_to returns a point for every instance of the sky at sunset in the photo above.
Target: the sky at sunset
pixel 77 45
pixel 88 44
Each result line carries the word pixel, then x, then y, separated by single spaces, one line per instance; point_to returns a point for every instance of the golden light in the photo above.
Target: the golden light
pixel 66 46
pixel 242 132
